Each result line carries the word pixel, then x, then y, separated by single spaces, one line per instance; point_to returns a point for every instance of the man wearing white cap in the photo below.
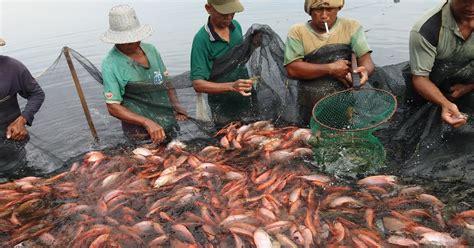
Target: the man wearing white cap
pixel 228 96
pixel 136 82
pixel 309 43
pixel 15 79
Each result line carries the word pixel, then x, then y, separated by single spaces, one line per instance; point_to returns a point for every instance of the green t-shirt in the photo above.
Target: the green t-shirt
pixel 207 46
pixel 426 45
pixel 118 70
pixel 302 39
pixel 139 89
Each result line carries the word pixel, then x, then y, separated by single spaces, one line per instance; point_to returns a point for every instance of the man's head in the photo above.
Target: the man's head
pixel 323 11
pixel 463 9
pixel 222 11
pixel 2 42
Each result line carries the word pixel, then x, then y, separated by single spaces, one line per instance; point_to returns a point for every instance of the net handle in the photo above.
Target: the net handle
pixel 355 74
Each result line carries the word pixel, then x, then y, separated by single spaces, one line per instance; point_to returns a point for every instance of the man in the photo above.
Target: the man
pixel 318 53
pixel 442 57
pixel 229 95
pixel 15 79
pixel 136 83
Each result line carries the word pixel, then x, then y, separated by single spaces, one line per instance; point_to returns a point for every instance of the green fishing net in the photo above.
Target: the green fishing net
pixel 343 124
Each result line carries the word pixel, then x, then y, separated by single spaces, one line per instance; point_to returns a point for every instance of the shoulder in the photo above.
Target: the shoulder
pixel 237 24
pixel 349 23
pixel 201 34
pixel 150 48
pixel 429 25
pixel 12 63
pixel 201 37
pixel 296 29
pixel 429 17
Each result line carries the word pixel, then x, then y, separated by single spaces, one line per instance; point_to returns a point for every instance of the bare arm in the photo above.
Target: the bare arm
pixel 242 86
pixel 428 90
pixel 181 114
pixel 155 131
pixel 303 70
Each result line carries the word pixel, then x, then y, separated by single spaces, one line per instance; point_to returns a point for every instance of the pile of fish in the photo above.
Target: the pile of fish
pixel 253 190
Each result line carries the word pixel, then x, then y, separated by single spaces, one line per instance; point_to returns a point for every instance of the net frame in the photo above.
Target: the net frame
pixel 333 95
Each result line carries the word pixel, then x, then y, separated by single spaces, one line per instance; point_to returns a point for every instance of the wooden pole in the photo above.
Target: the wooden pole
pixel 80 93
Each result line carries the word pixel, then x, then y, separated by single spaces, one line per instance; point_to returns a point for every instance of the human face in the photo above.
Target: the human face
pixel 463 9
pixel 218 20
pixel 321 15
pixel 129 48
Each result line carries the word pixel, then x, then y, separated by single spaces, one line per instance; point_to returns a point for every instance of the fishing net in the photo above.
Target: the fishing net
pixel 344 123
pixel 61 132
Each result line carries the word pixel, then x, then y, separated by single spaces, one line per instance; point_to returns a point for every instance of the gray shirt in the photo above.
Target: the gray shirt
pixel 436 36
pixel 15 79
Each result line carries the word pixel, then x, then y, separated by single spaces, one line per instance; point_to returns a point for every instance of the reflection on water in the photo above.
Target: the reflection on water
pixel 79 25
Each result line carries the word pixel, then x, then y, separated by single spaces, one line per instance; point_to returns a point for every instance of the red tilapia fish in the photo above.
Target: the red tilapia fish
pixel 253 190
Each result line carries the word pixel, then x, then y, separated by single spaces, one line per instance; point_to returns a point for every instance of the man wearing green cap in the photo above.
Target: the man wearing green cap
pixel 318 53
pixel 229 95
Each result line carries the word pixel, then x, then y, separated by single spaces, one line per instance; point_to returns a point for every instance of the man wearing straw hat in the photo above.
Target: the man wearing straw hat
pixel 228 95
pixel 137 89
pixel 15 79
pixel 318 53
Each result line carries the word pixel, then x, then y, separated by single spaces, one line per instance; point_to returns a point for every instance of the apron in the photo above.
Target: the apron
pixel 435 143
pixel 311 91
pixel 152 102
pixel 12 153
pixel 230 106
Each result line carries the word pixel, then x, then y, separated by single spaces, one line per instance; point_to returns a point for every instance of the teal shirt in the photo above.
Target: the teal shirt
pixel 118 70
pixel 207 46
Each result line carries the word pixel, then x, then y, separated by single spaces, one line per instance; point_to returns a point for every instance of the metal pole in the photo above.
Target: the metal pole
pixel 80 93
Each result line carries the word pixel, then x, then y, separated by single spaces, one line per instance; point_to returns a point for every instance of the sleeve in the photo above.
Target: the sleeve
pixel 200 64
pixel 294 48
pixel 112 88
pixel 359 43
pixel 422 54
pixel 30 90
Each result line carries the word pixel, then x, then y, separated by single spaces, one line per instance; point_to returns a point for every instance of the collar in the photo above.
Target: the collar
pixel 448 21
pixel 213 36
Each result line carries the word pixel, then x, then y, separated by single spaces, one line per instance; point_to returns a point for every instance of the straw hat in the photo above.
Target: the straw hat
pixel 124 26
pixel 2 42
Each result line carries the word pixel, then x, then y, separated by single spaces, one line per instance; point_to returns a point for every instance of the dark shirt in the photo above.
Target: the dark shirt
pixel 16 79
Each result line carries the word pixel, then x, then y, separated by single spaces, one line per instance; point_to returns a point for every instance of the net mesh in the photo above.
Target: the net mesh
pixel 354 110
pixel 344 123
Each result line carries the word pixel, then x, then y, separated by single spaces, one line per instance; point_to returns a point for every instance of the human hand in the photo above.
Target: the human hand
pixel 364 75
pixel 451 115
pixel 459 90
pixel 17 130
pixel 181 114
pixel 341 71
pixel 156 132
pixel 243 86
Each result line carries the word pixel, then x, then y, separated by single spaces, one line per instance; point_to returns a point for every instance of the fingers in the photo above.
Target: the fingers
pixel 16 132
pixel 181 117
pixel 364 77
pixel 244 86
pixel 9 132
pixel 158 136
